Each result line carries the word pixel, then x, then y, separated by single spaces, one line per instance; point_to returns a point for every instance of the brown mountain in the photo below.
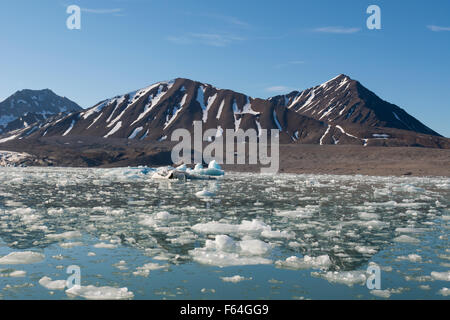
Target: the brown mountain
pixel 340 111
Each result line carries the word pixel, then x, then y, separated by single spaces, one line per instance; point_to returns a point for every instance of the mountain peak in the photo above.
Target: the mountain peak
pixel 28 106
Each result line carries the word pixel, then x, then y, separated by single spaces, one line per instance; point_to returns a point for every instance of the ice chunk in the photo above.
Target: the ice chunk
pixel 205 194
pixel 121 265
pixel 381 293
pixel 368 215
pixel 144 271
pixel 444 292
pixel 17 274
pixel 442 276
pixel 224 251
pixel 235 279
pixel 103 245
pixel 254 247
pixel 213 169
pixel 214 165
pixel 410 257
pixel 69 245
pixel 307 262
pixel 365 250
pixel 65 235
pixel 348 278
pixel 254 227
pixel 52 285
pixel 100 293
pixel 406 239
pixel 22 257
pixel 222 242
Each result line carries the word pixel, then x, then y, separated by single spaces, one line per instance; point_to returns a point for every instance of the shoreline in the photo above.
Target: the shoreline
pixel 293 158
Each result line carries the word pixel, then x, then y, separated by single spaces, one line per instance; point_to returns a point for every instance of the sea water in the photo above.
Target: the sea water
pixel 245 236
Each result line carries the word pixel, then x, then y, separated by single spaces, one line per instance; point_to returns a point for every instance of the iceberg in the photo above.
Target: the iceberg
pixel 183 173
pixel 213 169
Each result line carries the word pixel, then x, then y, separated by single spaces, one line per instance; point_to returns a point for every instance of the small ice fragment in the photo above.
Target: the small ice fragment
pixel 205 193
pixel 235 279
pixel 381 293
pixel 18 274
pixel 105 245
pixel 406 239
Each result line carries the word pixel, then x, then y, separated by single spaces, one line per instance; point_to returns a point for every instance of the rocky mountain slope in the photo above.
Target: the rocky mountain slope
pixel 340 111
pixel 27 107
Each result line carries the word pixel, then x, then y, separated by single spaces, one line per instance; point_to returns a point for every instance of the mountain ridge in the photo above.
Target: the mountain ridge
pixel 339 111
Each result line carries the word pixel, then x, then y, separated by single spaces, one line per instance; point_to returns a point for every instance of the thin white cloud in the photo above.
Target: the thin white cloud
pixel 102 11
pixel 227 19
pixel 210 39
pixel 231 20
pixel 180 39
pixel 289 63
pixel 278 89
pixel 337 30
pixel 438 28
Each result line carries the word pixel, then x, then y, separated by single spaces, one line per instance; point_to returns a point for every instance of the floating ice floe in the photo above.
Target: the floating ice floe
pixel 410 257
pixel 121 265
pixel 22 257
pixel 442 276
pixel 406 239
pixel 13 274
pixel 65 235
pixel 348 278
pixel 103 245
pixel 205 194
pixel 381 293
pixel 100 293
pixel 183 173
pixel 366 250
pixel 254 227
pixel 50 284
pixel 444 292
pixel 235 279
pixel 307 262
pixel 213 169
pixel 144 271
pixel 224 251
pixel 70 245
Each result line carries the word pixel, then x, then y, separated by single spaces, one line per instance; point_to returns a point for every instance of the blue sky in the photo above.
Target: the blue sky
pixel 261 48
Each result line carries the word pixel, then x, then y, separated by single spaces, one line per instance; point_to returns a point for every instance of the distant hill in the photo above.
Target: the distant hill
pixel 26 107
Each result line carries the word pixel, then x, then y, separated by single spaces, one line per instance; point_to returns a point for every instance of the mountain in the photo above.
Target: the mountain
pixel 26 107
pixel 340 111
pixel 343 101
